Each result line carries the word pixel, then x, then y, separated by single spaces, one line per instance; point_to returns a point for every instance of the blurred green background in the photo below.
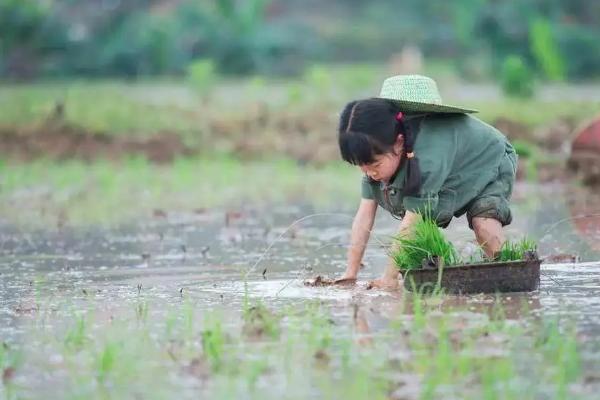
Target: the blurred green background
pixel 555 39
pixel 114 107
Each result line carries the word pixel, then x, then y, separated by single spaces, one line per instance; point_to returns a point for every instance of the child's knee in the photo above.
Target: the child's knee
pixel 489 234
pixel 488 226
pixel 493 207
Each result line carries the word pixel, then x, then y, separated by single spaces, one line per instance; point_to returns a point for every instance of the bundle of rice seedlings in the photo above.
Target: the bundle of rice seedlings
pixel 425 242
pixel 515 250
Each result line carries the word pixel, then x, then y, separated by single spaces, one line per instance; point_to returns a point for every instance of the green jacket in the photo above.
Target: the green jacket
pixel 458 156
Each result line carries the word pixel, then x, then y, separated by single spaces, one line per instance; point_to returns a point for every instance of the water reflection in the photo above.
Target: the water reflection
pixel 208 257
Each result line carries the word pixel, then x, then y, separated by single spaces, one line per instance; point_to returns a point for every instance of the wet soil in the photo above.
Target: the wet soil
pixel 205 254
pixel 201 259
pixel 303 135
pixel 319 281
pixel 59 140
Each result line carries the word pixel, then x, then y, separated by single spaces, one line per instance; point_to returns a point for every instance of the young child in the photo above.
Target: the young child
pixel 419 155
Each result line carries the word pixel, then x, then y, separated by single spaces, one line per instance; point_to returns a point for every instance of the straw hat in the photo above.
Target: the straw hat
pixel 417 93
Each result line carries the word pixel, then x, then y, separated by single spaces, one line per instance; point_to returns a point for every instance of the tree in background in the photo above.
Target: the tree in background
pixel 29 33
pixel 240 37
pixel 545 50
pixel 555 38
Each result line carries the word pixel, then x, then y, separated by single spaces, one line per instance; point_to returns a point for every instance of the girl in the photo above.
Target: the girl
pixel 419 155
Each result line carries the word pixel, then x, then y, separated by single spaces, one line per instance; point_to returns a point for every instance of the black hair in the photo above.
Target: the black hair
pixel 369 128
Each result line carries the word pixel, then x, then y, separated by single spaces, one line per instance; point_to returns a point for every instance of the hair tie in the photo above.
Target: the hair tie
pixel 399 116
pixel 410 155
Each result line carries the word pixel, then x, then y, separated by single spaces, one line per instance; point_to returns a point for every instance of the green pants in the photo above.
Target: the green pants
pixel 494 200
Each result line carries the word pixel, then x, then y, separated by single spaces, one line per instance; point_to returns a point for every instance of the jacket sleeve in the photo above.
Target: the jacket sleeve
pixel 367 189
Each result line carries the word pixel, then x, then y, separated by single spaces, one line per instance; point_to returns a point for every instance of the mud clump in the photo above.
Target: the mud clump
pixel 319 281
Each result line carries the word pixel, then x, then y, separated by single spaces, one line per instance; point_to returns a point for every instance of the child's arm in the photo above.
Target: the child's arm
pixel 361 230
pixel 389 280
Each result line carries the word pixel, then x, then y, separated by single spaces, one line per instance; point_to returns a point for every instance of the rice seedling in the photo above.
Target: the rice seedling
pixel 141 311
pixel 106 360
pixel 9 364
pixel 424 242
pixel 434 355
pixel 96 193
pixel 9 361
pixel 516 250
pixel 77 336
pixel 259 322
pixel 213 342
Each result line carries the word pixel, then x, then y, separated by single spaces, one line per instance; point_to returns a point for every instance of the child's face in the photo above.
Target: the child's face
pixel 385 165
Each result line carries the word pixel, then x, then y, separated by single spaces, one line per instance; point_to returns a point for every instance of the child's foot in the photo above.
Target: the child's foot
pixel 384 283
pixel 345 280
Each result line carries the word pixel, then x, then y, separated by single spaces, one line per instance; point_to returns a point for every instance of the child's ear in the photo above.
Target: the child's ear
pixel 399 144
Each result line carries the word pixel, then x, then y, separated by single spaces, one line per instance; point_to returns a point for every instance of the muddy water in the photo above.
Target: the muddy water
pixel 172 259
pixel 206 256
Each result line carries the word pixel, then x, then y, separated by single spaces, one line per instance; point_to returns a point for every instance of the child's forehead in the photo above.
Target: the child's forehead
pixel 376 158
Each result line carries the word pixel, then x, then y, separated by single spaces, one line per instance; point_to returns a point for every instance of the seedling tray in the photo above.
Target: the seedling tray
pixel 488 277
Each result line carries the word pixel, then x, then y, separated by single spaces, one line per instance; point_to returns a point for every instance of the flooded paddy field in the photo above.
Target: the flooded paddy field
pixel 170 178
pixel 212 304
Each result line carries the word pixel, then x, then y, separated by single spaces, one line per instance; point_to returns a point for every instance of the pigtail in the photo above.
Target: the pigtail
pixel 412 183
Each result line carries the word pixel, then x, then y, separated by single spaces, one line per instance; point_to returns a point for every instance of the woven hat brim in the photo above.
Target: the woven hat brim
pixel 412 106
